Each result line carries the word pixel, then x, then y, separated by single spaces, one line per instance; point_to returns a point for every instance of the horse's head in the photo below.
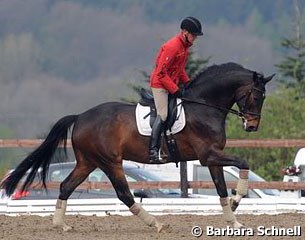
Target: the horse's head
pixel 220 86
pixel 250 99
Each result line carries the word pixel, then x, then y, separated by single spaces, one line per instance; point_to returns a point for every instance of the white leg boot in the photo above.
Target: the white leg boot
pixel 149 219
pixel 59 215
pixel 241 190
pixel 228 214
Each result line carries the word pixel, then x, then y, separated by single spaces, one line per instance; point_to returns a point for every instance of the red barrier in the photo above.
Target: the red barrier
pixel 252 143
pixel 176 184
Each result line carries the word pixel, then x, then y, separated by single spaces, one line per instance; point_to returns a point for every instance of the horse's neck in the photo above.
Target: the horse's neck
pixel 215 94
pixel 212 107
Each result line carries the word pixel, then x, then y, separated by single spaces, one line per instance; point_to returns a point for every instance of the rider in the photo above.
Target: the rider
pixel 168 72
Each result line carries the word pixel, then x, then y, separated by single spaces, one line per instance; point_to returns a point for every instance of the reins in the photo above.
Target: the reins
pixel 202 102
pixel 240 113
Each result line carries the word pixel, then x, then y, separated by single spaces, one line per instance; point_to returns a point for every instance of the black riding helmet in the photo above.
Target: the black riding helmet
pixel 192 25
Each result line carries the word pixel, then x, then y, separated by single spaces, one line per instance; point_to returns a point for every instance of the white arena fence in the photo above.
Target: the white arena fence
pixel 156 206
pixel 200 206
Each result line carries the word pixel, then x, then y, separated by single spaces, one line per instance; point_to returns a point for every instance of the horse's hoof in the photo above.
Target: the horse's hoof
pixel 62 227
pixel 234 204
pixel 238 225
pixel 66 228
pixel 161 228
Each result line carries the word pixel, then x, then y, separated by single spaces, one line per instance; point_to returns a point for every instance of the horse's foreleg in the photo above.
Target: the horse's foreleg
pixel 220 184
pixel 218 158
pixel 228 213
pixel 241 189
pixel 121 187
pixel 76 177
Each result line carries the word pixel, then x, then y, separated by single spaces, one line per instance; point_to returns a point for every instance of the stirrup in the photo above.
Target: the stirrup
pixel 157 157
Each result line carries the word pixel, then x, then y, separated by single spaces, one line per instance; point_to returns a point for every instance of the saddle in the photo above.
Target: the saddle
pixel 148 100
pixel 146 111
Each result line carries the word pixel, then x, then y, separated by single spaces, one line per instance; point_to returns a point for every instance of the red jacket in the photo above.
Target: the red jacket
pixel 170 64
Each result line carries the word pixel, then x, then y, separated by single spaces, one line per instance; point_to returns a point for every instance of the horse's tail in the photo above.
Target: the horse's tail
pixel 41 157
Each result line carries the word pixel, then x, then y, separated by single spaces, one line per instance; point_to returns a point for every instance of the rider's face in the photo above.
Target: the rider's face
pixel 190 37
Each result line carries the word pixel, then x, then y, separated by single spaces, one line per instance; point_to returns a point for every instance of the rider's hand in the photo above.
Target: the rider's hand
pixel 178 94
pixel 186 85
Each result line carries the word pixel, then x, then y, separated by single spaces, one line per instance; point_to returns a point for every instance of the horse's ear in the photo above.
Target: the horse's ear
pixel 267 79
pixel 256 77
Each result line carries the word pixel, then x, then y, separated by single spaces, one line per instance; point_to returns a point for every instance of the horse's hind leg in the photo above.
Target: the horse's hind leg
pixel 118 180
pixel 76 177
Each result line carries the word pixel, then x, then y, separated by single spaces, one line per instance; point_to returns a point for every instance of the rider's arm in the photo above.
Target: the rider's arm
pixel 164 62
pixel 184 77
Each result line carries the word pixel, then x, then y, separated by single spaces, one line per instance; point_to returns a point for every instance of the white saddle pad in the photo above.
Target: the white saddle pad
pixel 143 123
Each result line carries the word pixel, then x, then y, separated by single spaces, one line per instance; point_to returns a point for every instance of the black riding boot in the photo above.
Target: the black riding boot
pixel 155 140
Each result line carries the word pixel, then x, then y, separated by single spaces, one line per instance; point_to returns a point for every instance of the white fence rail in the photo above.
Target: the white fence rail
pixel 104 207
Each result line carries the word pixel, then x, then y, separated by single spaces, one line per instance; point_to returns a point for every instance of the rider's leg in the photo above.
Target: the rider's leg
pixel 155 139
pixel 161 102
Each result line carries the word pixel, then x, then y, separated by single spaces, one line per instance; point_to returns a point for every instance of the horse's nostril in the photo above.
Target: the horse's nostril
pixel 251 128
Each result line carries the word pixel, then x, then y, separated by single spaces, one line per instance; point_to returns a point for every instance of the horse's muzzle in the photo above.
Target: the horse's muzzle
pixel 250 126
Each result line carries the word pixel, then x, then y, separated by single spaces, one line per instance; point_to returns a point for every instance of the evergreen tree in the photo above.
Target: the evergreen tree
pixel 292 67
pixel 195 65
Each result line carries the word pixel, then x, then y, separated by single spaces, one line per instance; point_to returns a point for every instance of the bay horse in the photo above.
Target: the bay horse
pixel 106 134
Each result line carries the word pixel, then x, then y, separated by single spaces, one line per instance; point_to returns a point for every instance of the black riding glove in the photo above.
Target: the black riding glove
pixel 178 94
pixel 186 85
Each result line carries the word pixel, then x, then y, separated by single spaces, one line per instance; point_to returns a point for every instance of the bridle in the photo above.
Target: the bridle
pixel 242 110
